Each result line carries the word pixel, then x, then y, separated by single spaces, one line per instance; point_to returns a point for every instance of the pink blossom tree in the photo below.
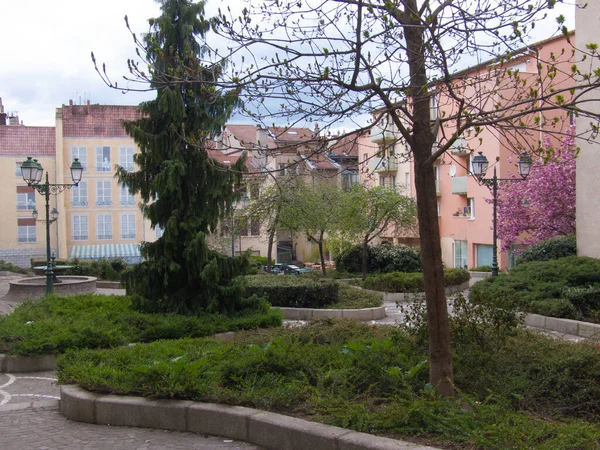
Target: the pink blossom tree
pixel 542 206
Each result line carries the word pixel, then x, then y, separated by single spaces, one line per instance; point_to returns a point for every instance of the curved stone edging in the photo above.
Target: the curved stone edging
pixel 404 297
pixel 566 326
pixel 33 288
pixel 310 313
pixel 266 429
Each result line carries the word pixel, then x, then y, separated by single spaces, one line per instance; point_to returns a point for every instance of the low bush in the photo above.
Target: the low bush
pixel 554 308
pixel 527 392
pixel 9 267
pixel 411 282
pixel 105 269
pixel 586 300
pixel 481 269
pixel 56 324
pixel 383 258
pixel 353 298
pixel 293 291
pixel 534 286
pixel 553 248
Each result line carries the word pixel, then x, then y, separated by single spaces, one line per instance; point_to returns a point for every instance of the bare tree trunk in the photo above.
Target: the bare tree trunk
pixel 272 238
pixel 322 255
pixel 365 255
pixel 440 354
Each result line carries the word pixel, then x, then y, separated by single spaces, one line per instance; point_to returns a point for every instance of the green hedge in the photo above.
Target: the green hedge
pixel 384 258
pixel 104 269
pixel 411 282
pixel 293 291
pixel 535 285
pixel 553 248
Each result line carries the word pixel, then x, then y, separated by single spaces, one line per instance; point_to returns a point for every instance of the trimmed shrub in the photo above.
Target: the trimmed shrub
pixel 9 267
pixel 553 248
pixel 481 269
pixel 105 269
pixel 293 291
pixel 411 282
pixel 384 258
pixel 554 308
pixel 539 281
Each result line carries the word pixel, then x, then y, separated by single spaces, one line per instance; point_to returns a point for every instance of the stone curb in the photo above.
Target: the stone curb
pixel 14 364
pixel 103 284
pixel 266 429
pixel 565 326
pixel 364 314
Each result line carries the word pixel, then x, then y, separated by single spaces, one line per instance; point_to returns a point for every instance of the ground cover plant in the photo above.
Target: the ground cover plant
pixel 353 298
pixel 565 287
pixel 9 267
pixel 529 392
pixel 56 324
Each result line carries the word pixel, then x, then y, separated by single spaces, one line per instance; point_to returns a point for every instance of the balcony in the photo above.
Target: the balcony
pixel 127 202
pixel 104 203
pixel 104 237
pixel 459 185
pixel 459 147
pixel 80 237
pixel 380 134
pixel 80 204
pixel 128 236
pixel 384 164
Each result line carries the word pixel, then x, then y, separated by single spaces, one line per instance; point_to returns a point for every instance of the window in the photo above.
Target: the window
pixel 254 227
pixel 484 254
pixel 126 198
pixel 81 154
pixel 349 179
pixel 365 157
pixel 102 159
pixel 460 254
pixel 18 169
pixel 25 230
pixel 103 197
pixel 104 226
pixel 407 182
pixel 439 209
pixel 126 158
pixel 79 195
pixel 471 209
pixel 159 231
pixel 128 226
pixel 382 181
pixel 25 198
pixel 393 181
pixel 80 228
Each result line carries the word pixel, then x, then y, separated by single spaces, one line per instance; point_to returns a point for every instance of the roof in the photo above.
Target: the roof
pixel 27 141
pixel 96 120
pixel 346 145
pixel 291 134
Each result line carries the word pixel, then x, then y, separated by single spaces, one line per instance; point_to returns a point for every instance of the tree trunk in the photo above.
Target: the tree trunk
pixel 440 355
pixel 272 238
pixel 365 254
pixel 322 255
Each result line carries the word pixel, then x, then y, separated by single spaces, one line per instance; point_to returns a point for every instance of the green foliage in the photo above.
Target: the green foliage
pixel 9 267
pixel 56 324
pixel 104 269
pixel 558 307
pixel 353 298
pixel 382 258
pixel 553 248
pixel 534 286
pixel 411 282
pixel 259 261
pixel 293 291
pixel 37 262
pixel 586 300
pixel 372 379
pixel 481 269
pixel 182 189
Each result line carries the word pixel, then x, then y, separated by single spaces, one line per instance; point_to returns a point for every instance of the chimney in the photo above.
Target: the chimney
pixel 316 130
pixel 2 114
pixel 13 118
pixel 261 136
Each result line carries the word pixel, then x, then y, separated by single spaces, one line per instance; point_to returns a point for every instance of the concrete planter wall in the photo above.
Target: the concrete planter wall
pixel 364 314
pixel 565 326
pixel 406 297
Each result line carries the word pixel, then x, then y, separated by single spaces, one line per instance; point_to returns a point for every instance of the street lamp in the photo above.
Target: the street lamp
pixel 480 166
pixel 32 172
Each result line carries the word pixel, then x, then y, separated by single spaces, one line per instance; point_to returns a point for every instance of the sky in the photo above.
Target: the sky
pixel 45 52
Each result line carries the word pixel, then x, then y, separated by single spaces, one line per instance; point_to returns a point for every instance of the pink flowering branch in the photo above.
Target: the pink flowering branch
pixel 542 206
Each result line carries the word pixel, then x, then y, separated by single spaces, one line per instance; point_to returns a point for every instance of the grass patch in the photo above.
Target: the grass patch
pixel 56 324
pixel 352 298
pixel 534 392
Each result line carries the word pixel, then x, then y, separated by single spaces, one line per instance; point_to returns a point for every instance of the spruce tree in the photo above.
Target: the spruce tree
pixel 183 190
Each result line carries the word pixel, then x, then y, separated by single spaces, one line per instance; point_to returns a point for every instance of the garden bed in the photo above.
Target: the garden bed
pixel 373 379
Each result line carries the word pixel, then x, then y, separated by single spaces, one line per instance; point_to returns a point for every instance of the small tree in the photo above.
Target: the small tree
pixel 313 209
pixel 183 190
pixel 543 205
pixel 366 213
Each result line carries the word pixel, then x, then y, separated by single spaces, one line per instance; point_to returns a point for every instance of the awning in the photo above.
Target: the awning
pixel 129 252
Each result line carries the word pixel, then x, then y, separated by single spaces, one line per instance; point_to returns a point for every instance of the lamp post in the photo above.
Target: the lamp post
pixel 32 172
pixel 480 166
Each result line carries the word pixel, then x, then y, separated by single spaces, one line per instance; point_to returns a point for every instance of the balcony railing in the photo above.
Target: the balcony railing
pixel 26 239
pixel 23 206
pixel 104 203
pixel 459 147
pixel 128 236
pixel 127 202
pixel 459 185
pixel 104 237
pixel 382 134
pixel 384 164
pixel 80 204
pixel 80 237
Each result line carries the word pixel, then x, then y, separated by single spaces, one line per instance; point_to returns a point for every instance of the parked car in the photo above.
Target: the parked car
pixel 284 269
